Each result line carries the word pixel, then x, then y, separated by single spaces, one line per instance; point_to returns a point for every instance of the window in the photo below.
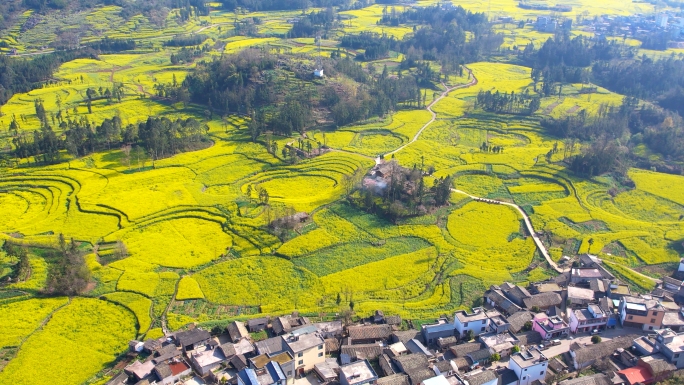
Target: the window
pixel 630 317
pixel 541 373
pixel 655 313
pixel 301 362
pixel 524 378
pixel 676 355
pixel 525 369
pixel 300 355
pixel 652 320
pixel 320 347
pixel 465 324
pixel 483 329
pixel 650 328
pixel 320 354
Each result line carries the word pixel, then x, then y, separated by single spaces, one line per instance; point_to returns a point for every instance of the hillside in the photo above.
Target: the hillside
pixel 173 162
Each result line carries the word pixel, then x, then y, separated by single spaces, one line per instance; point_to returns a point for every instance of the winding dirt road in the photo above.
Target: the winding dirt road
pixel 473 81
pixel 526 218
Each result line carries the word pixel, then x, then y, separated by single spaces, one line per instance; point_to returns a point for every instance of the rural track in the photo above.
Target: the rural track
pixel 526 218
pixel 528 225
pixel 444 94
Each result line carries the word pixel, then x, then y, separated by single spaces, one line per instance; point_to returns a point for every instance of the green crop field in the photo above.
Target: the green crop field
pixel 192 236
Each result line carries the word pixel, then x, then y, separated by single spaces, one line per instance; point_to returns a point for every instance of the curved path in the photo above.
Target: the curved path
pixel 522 212
pixel 528 224
pixel 473 81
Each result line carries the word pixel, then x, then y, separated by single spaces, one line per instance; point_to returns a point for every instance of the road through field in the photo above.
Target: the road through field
pixel 444 94
pixel 522 212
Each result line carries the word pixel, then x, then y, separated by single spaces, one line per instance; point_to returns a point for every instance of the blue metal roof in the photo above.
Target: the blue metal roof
pixel 275 371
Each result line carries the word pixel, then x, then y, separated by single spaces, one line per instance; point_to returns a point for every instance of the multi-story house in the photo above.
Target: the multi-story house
pixel 529 365
pixel 477 321
pixel 307 350
pixel 550 327
pixel 584 320
pixel 646 314
pixel 671 345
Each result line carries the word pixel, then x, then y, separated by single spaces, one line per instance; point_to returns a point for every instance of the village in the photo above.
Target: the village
pixel 582 327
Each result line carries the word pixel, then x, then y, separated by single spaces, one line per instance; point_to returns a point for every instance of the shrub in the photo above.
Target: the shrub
pixel 596 339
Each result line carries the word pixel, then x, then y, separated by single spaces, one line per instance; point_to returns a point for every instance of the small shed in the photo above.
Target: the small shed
pixel 257 324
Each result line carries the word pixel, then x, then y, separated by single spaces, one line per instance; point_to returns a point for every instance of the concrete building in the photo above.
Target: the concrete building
pixel 442 328
pixel 550 327
pixel 501 343
pixel 646 314
pixel 358 373
pixel 307 350
pixel 477 321
pixel 585 320
pixel 529 365
pixel 671 345
pixel 579 275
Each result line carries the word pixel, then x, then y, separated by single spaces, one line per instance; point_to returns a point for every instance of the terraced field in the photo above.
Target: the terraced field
pixel 195 231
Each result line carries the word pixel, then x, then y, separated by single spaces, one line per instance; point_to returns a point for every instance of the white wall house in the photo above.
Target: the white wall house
pixel 529 365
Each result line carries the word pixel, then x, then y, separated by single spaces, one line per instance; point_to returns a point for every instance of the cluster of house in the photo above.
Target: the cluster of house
pixel 516 326
pixel 637 25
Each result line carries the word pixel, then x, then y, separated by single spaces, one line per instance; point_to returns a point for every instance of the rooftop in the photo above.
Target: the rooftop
pixel 476 315
pixel 363 351
pixel 636 375
pixel 394 379
pixel 645 344
pixel 140 369
pixel 543 300
pixel 357 372
pixel 437 380
pixel 261 360
pixel 206 357
pixel 528 357
pixel 374 332
pixel 580 293
pixel 548 287
pixel 586 273
pixel 191 337
pixel 304 342
pixel 673 319
pixel 271 345
pixel 480 377
pixel 328 368
pixel 499 342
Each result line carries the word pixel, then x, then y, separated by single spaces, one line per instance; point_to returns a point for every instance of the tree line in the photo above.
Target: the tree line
pixel 522 103
pixel 158 137
pixel 23 75
pixel 314 23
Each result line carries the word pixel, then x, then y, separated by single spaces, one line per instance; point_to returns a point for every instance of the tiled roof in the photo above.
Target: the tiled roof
pixel 482 377
pixel 543 300
pixel 518 320
pixel 412 361
pixel 589 353
pixel 394 379
pixel 463 349
pixel 332 345
pixel 596 379
pixel 191 337
pixel 366 351
pixel 416 376
pixel 406 335
pixel 372 332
